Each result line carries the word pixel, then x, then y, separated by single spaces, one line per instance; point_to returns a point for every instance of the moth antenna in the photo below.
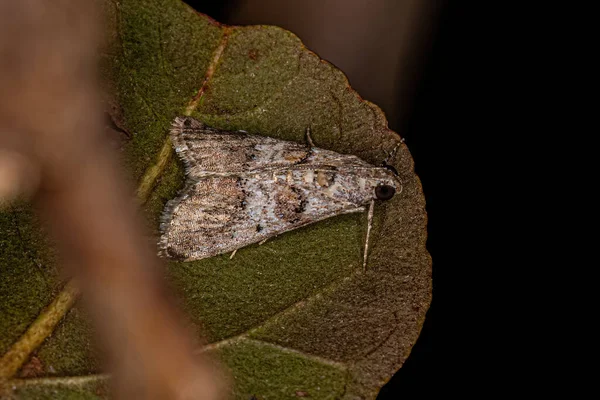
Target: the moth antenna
pixel 233 254
pixel 369 225
pixel 308 138
pixel 392 153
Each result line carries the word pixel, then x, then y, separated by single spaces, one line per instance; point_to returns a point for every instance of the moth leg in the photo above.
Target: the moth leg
pixel 263 241
pixel 369 225
pixel 308 138
pixel 233 254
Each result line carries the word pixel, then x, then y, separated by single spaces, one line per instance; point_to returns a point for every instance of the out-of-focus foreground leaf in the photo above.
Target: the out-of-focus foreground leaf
pixel 296 316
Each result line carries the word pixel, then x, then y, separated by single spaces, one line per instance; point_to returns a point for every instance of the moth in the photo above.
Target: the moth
pixel 243 189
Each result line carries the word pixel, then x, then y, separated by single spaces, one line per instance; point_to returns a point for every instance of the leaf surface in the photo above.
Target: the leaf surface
pixel 295 316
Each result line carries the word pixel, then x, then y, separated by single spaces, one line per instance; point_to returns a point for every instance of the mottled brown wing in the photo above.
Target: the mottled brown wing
pixel 243 188
pixel 207 151
pixel 219 214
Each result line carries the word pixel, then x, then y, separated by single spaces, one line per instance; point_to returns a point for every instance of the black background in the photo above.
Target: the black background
pixel 432 131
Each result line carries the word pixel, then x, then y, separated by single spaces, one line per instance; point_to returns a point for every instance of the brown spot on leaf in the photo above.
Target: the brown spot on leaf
pixel 253 54
pixel 300 393
pixel 32 369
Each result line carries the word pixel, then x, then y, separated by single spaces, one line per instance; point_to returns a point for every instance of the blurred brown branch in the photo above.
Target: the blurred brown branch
pixel 52 148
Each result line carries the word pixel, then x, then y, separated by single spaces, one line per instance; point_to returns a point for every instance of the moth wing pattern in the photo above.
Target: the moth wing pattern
pixel 207 151
pixel 243 188
pixel 219 214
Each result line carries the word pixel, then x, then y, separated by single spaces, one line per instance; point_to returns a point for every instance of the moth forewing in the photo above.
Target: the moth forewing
pixel 207 151
pixel 242 189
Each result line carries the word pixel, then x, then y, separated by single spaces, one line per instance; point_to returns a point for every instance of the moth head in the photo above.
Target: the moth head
pixel 387 183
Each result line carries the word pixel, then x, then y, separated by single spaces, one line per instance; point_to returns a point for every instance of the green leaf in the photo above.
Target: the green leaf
pixel 297 314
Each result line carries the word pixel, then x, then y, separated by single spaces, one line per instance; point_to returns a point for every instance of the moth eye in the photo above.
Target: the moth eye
pixel 385 192
pixel 187 123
